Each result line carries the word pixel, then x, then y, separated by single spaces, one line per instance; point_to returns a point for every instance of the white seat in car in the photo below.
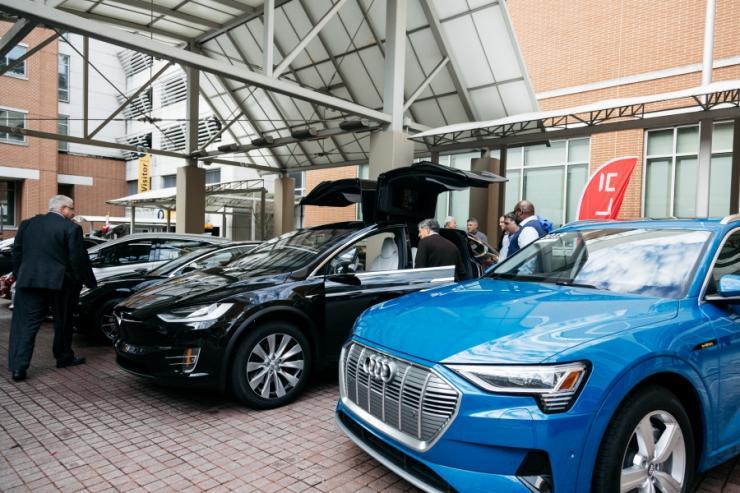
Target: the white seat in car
pixel 388 258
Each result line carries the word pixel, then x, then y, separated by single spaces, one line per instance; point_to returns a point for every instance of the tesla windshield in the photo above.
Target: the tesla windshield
pixel 653 262
pixel 290 251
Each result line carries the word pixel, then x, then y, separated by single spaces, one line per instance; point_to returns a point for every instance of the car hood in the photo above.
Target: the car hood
pixel 494 321
pixel 200 287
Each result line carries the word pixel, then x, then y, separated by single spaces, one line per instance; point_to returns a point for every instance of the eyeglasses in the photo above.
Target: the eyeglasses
pixel 69 207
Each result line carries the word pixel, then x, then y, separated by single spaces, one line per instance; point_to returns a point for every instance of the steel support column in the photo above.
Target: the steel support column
pixel 15 35
pixel 395 56
pixel 268 39
pixel 190 200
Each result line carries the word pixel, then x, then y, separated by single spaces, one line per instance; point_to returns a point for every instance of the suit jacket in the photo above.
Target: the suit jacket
pixel 435 251
pixel 48 253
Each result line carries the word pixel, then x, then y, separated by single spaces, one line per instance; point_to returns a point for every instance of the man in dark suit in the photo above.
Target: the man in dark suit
pixel 435 251
pixel 50 264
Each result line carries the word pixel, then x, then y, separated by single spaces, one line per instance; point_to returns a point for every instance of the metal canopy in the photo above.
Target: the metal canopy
pixel 233 195
pixel 721 98
pixel 322 93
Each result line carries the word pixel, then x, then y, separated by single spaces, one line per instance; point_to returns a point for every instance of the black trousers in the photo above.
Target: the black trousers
pixel 30 307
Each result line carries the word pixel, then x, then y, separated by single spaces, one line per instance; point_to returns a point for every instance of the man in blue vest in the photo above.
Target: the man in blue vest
pixel 530 228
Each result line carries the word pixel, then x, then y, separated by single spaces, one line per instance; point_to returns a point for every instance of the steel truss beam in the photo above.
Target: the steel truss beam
pixel 452 67
pixel 126 24
pixel 130 98
pixel 234 23
pixel 425 83
pixel 160 9
pixel 15 35
pixel 87 141
pixel 28 54
pixel 288 59
pixel 77 24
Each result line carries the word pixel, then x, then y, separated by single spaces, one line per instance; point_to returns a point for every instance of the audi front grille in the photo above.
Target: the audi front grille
pixel 411 403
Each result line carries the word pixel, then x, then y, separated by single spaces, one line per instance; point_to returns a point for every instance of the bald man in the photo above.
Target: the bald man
pixel 530 228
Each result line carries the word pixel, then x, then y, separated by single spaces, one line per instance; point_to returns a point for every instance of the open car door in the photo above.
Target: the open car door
pixel 341 193
pixel 409 194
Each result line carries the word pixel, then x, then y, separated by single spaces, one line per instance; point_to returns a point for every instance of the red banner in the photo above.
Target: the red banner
pixel 602 197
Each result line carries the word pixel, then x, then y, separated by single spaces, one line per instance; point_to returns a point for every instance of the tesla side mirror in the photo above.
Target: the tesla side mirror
pixel 349 279
pixel 728 289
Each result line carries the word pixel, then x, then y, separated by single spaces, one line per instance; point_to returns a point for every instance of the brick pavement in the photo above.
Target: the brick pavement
pixel 96 428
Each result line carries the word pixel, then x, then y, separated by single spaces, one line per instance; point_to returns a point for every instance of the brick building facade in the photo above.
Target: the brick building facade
pixel 584 51
pixel 35 169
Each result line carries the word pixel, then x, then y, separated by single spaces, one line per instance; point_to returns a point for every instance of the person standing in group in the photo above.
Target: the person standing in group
pixel 510 229
pixel 450 222
pixel 502 232
pixel 530 228
pixel 474 231
pixel 50 264
pixel 435 251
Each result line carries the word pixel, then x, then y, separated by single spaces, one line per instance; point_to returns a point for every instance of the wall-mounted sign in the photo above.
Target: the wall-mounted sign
pixel 145 178
pixel 603 194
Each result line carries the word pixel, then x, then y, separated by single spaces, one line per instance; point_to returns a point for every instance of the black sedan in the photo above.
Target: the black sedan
pixel 261 325
pixel 95 309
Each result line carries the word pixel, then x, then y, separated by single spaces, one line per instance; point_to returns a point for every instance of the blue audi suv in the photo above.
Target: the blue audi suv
pixel 603 357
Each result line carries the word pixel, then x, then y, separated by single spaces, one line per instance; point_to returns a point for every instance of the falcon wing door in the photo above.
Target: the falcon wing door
pixel 341 193
pixel 410 193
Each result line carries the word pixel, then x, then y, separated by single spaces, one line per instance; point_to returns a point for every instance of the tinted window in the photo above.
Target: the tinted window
pixel 132 252
pixel 167 267
pixel 652 262
pixel 728 261
pixel 378 252
pixel 292 250
pixel 172 249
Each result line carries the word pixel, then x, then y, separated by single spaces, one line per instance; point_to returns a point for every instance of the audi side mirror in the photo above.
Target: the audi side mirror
pixel 728 289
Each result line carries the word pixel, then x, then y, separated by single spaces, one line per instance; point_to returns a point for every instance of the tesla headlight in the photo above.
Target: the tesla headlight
pixel 198 317
pixel 554 386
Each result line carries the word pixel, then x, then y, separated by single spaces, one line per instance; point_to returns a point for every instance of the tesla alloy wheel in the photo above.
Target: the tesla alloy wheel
pixel 272 366
pixel 648 448
pixel 106 322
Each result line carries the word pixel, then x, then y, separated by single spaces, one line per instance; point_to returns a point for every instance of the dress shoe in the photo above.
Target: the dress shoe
pixel 73 361
pixel 19 375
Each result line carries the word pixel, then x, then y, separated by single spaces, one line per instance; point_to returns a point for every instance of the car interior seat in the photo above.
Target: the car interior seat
pixel 459 238
pixel 388 258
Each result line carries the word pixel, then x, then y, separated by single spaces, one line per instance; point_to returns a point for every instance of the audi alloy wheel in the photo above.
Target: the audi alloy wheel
pixel 648 447
pixel 272 366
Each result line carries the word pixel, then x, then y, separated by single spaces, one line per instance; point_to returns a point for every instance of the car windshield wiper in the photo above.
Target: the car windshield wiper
pixel 577 284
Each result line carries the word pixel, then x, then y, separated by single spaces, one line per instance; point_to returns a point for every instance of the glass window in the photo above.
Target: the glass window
pixel 8 196
pixel 213 176
pixel 542 154
pixel 14 54
pixel 671 176
pixel 728 262
pixel 15 119
pixel 63 129
pixel 132 186
pixel 299 182
pixel 64 78
pixel 130 252
pixel 687 140
pixel 722 137
pixel 720 176
pixel 650 262
pixel 660 143
pixel 685 193
pixel 551 177
pixel 577 178
pixel 545 187
pixel 378 252
pixel 172 249
pixel 658 188
pixel 169 181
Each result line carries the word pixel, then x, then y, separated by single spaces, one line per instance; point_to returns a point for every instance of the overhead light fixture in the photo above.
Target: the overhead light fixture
pixel 233 147
pixel 303 133
pixel 263 141
pixel 355 125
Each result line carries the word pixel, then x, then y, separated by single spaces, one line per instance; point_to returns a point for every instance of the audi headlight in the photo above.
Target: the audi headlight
pixel 554 386
pixel 198 317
